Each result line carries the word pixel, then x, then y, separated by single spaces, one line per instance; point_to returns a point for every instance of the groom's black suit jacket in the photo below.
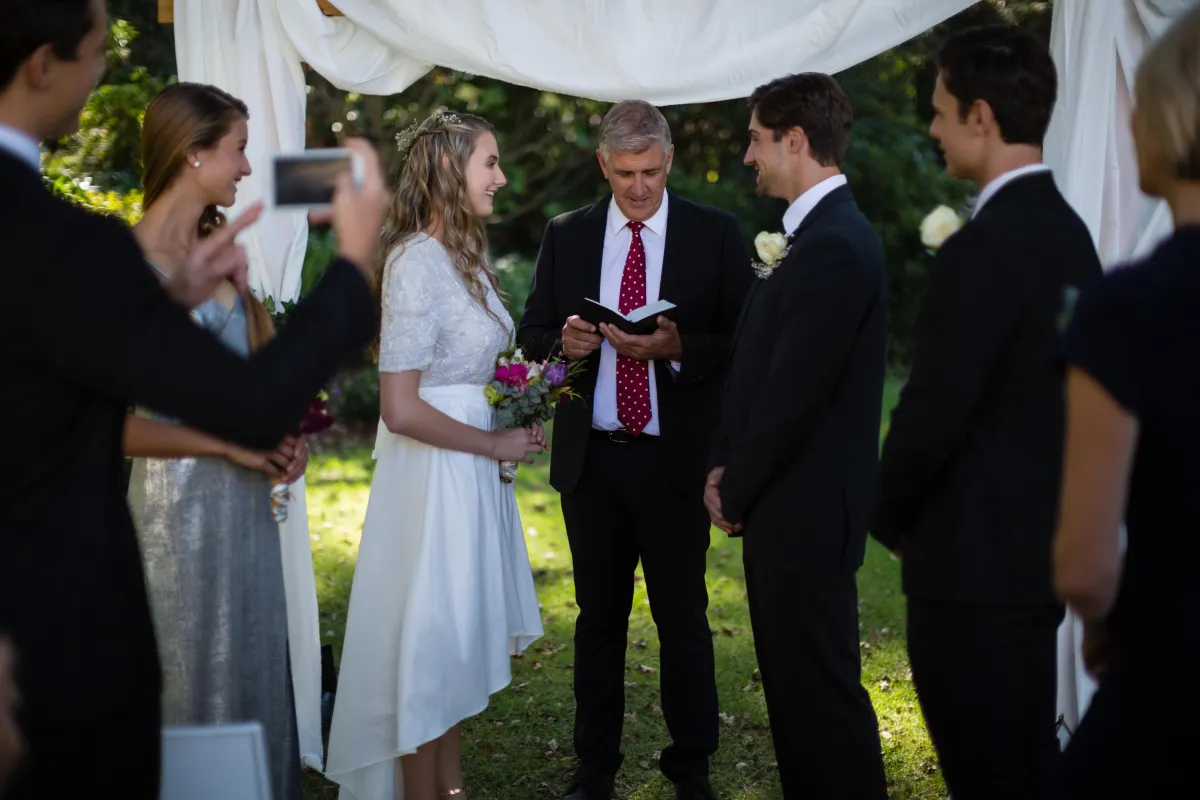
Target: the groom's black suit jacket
pixel 800 433
pixel 705 272
pixel 970 474
pixel 88 331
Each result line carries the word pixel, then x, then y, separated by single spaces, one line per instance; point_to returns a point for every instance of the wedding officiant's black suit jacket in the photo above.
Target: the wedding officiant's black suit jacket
pixel 706 271
pixel 88 331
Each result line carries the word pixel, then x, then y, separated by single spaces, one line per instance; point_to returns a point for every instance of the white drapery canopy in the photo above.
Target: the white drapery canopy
pixel 614 49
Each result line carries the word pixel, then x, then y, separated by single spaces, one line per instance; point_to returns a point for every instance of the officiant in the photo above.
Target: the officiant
pixel 629 453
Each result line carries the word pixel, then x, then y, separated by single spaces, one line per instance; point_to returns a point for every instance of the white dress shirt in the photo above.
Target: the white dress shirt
pixel 802 205
pixel 1000 181
pixel 21 145
pixel 617 239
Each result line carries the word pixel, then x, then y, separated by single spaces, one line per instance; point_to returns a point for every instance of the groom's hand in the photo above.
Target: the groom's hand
pixel 662 345
pixel 712 502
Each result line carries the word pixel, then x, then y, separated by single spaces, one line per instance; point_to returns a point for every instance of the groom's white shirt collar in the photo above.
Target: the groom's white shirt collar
pixel 1002 180
pixel 21 145
pixel 805 203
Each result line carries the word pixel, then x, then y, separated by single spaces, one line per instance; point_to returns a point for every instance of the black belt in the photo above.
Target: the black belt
pixel 623 436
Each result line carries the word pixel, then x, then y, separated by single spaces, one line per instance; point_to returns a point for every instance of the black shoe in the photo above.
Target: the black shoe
pixel 328 688
pixel 590 785
pixel 694 789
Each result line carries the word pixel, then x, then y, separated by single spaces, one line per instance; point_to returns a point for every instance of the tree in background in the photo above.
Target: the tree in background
pixel 548 146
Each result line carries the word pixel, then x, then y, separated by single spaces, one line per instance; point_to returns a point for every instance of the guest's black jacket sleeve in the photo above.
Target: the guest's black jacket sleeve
pixel 116 331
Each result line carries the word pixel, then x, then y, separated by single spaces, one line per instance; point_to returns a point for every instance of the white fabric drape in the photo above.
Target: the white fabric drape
pixel 1097 47
pixel 661 51
pixel 220 42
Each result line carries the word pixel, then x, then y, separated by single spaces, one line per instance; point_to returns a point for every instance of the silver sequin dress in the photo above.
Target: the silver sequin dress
pixel 214 573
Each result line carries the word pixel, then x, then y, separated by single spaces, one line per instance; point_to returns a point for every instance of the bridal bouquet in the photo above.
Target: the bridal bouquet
pixel 526 392
pixel 316 419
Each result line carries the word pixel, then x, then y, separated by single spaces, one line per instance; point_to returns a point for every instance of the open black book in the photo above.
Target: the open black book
pixel 638 322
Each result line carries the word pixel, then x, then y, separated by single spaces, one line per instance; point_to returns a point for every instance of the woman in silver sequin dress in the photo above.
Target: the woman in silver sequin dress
pixel 201 507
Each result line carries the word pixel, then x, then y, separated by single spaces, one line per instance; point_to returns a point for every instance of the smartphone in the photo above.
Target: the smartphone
pixel 305 181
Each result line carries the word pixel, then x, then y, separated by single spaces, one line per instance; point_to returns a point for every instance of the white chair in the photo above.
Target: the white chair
pixel 215 761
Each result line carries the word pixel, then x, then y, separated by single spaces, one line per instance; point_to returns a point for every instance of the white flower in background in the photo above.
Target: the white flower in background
pixel 770 247
pixel 938 226
pixel 533 371
pixel 517 356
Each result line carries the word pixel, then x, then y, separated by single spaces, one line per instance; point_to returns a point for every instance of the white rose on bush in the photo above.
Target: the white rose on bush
pixel 938 226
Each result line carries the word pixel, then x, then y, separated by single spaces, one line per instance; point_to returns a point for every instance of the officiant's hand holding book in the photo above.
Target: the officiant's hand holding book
pixel 638 322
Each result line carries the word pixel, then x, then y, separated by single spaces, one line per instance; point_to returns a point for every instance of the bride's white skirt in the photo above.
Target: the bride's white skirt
pixel 443 596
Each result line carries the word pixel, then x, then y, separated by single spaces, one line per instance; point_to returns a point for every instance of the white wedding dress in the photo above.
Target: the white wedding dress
pixel 443 594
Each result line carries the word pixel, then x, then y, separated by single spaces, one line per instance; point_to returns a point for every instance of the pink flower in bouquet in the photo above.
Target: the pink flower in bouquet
pixel 515 374
pixel 556 373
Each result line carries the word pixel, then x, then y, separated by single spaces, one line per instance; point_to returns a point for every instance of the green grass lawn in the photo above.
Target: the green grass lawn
pixel 521 746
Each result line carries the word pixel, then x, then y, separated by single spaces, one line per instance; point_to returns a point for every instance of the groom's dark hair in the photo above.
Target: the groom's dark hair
pixel 29 24
pixel 813 102
pixel 1011 70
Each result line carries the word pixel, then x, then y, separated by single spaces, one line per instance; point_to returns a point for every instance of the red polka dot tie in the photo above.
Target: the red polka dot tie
pixel 633 376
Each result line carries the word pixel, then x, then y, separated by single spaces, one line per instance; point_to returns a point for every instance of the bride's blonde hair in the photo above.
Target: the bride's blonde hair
pixel 432 188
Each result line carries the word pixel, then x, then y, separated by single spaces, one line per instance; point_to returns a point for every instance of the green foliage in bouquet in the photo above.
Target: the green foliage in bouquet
pixel 526 392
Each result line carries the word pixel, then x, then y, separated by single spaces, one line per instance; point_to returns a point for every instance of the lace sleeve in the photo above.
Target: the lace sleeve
pixel 409 320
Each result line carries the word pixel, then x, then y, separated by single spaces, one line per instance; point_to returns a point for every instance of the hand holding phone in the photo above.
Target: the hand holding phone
pixel 306 181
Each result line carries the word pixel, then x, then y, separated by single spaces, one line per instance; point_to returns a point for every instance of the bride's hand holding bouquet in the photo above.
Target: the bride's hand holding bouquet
pixel 525 394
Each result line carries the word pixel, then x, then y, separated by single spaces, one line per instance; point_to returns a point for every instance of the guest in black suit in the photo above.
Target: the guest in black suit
pixel 89 331
pixel 969 479
pixel 1132 440
pixel 629 454
pixel 795 462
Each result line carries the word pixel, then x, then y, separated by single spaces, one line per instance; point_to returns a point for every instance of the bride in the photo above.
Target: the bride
pixel 443 594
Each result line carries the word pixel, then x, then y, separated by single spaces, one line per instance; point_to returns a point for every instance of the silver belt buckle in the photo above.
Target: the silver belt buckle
pixel 620 436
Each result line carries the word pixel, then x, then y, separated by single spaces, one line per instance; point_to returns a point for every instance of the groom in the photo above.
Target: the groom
pixel 629 453
pixel 794 464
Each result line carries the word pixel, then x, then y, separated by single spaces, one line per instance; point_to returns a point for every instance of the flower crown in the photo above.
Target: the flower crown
pixel 406 137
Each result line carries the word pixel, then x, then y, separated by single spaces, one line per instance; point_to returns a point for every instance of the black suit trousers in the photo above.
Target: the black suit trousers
pixel 823 726
pixel 986 678
pixel 625 509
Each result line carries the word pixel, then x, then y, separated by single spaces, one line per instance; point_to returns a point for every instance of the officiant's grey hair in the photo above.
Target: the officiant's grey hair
pixel 633 126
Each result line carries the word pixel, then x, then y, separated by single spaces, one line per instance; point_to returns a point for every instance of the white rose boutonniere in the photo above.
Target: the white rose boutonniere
pixel 771 249
pixel 938 226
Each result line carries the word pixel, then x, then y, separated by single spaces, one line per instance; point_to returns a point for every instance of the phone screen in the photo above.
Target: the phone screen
pixel 308 181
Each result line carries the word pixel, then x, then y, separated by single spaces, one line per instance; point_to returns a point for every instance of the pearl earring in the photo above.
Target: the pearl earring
pixel 196 163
